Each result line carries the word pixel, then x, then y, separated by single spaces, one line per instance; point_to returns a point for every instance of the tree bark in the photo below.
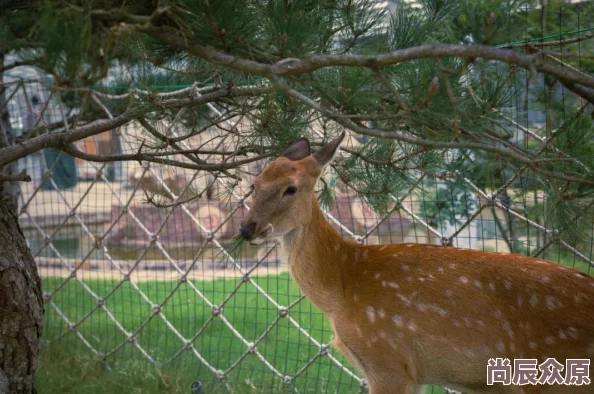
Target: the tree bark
pixel 21 308
pixel 21 303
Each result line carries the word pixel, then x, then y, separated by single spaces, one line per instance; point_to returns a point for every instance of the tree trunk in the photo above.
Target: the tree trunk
pixel 21 308
pixel 21 303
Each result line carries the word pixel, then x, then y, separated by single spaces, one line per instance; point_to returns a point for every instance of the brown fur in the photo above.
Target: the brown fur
pixel 409 315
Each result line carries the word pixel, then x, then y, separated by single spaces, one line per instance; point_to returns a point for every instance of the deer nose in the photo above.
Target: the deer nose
pixel 247 231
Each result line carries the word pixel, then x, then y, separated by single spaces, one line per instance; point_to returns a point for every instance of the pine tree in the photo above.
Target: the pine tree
pixel 428 87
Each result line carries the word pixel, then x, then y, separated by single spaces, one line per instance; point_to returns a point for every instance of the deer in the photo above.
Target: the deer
pixel 411 315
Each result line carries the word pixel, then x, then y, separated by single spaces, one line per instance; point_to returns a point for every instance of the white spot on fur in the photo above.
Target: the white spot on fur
pixel 382 335
pixel 549 340
pixel 440 269
pixel 478 284
pixel 532 345
pixel 492 286
pixel 572 332
pixel 463 280
pixel 534 300
pixel 359 332
pixel 355 297
pixel 404 299
pixel 370 313
pixel 452 265
pixel 405 267
pixel 381 313
pixel 384 283
pixel 508 330
pixel 507 284
pixel 500 346
pixel 397 320
pixel 551 302
pixel 392 343
pixel 396 255
pixel 409 245
pixel 442 312
pixel 393 285
pixel 377 275
pixel 411 326
pixel 562 334
pixel 487 351
pixel 449 293
pixel 545 279
pixel 421 307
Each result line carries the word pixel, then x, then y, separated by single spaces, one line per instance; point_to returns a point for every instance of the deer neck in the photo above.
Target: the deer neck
pixel 316 255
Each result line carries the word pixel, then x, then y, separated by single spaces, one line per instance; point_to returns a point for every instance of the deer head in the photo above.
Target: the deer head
pixel 283 192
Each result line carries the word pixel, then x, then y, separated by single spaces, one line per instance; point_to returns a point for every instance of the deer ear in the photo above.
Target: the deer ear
pixel 298 150
pixel 326 154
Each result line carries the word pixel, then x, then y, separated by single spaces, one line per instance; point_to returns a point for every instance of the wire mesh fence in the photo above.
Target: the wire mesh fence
pixel 123 278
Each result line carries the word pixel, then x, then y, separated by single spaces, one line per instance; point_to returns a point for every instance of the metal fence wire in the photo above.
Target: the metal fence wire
pixel 126 279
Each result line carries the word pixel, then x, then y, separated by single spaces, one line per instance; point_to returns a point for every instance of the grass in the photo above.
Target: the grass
pixel 248 311
pixel 66 365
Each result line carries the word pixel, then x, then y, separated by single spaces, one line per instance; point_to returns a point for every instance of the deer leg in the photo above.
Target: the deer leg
pixel 397 382
pixel 392 388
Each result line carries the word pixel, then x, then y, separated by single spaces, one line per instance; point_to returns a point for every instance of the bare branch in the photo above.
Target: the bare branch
pixel 139 156
pixel 63 139
pixel 35 131
pixel 17 63
pixel 15 177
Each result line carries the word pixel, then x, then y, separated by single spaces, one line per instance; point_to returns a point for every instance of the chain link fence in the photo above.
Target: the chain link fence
pixel 123 278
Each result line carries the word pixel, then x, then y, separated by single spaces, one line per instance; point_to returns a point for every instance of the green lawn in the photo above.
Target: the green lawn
pixel 67 366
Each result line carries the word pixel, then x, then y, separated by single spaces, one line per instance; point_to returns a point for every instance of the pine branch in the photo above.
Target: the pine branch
pixel 532 62
pixel 525 158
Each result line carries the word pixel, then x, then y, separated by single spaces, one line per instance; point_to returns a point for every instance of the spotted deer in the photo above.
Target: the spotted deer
pixel 409 315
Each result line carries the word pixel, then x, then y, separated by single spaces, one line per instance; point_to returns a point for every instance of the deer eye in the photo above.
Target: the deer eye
pixel 290 191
